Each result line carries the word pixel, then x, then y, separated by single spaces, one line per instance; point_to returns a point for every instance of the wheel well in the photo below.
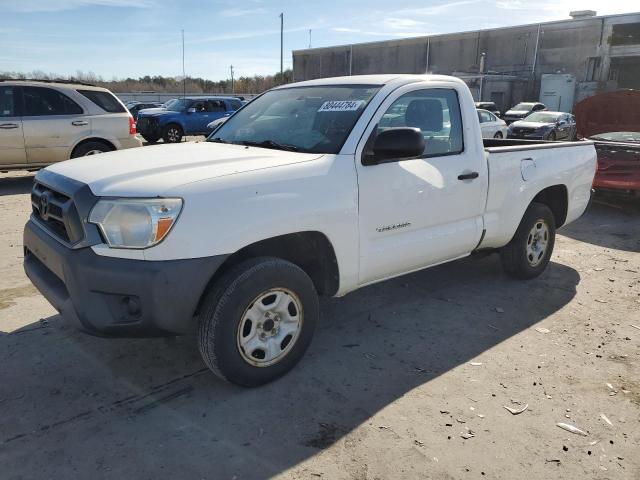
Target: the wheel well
pixel 557 199
pixel 173 123
pixel 311 251
pixel 99 140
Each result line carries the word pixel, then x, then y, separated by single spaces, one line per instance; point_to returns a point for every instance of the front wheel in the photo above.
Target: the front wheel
pixel 172 134
pixel 529 251
pixel 257 321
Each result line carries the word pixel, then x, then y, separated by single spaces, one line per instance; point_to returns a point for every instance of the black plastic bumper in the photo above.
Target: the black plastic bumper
pixel 115 296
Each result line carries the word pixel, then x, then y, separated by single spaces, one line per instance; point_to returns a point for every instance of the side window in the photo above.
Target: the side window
pixel 485 117
pixel 8 102
pixel 235 104
pixel 436 112
pixel 199 105
pixel 39 101
pixel 215 106
pixel 105 100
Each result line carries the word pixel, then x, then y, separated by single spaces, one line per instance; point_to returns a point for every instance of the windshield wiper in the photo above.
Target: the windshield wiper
pixel 217 140
pixel 271 144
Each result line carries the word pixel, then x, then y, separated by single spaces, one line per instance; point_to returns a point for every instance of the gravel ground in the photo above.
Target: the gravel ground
pixel 404 379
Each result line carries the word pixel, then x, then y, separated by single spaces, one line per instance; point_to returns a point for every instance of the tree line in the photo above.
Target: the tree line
pixel 160 84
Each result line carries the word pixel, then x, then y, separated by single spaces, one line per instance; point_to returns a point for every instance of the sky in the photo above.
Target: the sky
pixel 132 38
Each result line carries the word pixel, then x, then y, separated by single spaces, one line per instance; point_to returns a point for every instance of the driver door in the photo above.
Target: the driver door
pixel 417 212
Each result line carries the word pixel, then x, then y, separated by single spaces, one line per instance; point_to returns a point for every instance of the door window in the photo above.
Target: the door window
pixel 8 102
pixel 200 106
pixel 215 106
pixel 485 117
pixel 40 101
pixel 436 112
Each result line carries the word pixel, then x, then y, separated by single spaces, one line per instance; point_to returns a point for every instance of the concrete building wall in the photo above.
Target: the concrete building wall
pixel 580 47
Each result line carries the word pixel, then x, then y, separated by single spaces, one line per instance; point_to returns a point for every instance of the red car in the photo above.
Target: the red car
pixel 612 121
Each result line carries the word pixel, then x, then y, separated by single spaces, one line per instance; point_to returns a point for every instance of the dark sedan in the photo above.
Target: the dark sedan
pixel 522 110
pixel 134 108
pixel 544 126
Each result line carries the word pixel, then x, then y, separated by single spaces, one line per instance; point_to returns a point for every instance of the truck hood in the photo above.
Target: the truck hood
pixel 152 170
pixel 516 113
pixel 157 112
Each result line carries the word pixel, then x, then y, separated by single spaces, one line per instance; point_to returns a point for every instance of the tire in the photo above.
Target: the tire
pixel 498 135
pixel 90 148
pixel 526 257
pixel 231 342
pixel 172 133
pixel 552 137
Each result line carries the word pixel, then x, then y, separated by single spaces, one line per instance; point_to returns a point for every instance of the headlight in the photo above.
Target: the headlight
pixel 135 223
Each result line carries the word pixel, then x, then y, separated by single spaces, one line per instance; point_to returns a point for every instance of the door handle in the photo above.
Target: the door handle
pixel 468 176
pixel 79 123
pixel 8 126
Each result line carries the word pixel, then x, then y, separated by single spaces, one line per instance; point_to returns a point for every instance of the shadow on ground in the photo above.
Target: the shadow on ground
pixel 76 405
pixel 16 185
pixel 611 222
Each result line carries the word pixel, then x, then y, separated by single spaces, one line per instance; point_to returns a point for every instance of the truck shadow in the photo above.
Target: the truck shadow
pixel 84 402
pixel 15 185
pixel 611 222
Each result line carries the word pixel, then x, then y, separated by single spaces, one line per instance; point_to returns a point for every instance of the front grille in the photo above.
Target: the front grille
pixel 57 213
pixel 147 124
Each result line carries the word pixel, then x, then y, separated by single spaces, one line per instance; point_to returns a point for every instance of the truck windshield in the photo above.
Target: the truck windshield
pixel 176 105
pixel 314 119
pixel 523 106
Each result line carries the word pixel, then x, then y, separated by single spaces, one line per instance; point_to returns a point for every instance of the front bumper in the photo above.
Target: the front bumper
pixel 527 136
pixel 116 296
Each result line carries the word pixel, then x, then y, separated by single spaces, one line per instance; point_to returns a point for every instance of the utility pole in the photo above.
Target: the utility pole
pixel 309 38
pixel 232 86
pixel 282 47
pixel 184 77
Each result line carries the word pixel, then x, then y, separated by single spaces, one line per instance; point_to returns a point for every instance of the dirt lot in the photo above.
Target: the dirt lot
pixel 397 374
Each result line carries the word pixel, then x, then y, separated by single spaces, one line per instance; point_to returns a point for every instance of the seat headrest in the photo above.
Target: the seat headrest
pixel 425 114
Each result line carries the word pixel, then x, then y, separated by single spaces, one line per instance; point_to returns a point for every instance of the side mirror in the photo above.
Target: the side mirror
pixel 396 143
pixel 191 110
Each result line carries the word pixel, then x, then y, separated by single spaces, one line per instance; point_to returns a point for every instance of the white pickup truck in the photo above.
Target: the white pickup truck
pixel 314 188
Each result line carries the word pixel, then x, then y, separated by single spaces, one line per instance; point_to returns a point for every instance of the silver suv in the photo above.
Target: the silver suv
pixel 46 122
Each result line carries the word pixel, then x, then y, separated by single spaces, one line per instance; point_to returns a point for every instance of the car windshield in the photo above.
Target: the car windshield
pixel 307 119
pixel 624 137
pixel 543 117
pixel 523 106
pixel 176 105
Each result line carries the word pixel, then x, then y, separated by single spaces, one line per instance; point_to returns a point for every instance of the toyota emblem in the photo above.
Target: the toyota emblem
pixel 44 206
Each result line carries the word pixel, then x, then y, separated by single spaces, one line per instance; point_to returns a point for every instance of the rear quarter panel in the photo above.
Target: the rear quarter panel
pixel 570 164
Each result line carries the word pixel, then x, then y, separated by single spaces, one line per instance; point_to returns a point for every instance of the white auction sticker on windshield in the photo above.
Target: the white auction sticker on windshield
pixel 341 106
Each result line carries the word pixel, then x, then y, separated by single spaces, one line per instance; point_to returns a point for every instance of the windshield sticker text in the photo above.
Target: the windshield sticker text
pixel 341 106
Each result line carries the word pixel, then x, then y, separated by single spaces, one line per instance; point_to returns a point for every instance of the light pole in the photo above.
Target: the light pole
pixel 281 45
pixel 184 78
pixel 232 86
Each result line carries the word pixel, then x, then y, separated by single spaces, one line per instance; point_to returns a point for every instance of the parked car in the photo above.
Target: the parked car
pixel 135 108
pixel 489 106
pixel 45 122
pixel 612 121
pixel 216 123
pixel 314 188
pixel 491 126
pixel 184 116
pixel 545 126
pixel 522 110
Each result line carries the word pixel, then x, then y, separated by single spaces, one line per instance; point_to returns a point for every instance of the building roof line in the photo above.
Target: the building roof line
pixel 482 30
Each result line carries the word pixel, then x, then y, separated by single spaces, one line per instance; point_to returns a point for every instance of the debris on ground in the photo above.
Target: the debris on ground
pixel 604 417
pixel 475 364
pixel 573 429
pixel 516 411
pixel 499 310
pixel 542 330
pixel 635 326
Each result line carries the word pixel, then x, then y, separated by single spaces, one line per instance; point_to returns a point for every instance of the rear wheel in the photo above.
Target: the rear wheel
pixel 172 133
pixel 257 321
pixel 529 251
pixel 498 135
pixel 90 148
